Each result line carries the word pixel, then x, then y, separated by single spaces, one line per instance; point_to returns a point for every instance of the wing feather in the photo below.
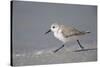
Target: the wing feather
pixel 70 31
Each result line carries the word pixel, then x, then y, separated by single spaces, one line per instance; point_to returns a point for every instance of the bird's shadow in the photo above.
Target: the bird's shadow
pixel 85 49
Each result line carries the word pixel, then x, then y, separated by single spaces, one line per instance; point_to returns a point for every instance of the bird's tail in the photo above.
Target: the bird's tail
pixel 86 32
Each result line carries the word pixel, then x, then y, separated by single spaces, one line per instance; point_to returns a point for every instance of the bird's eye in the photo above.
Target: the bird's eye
pixel 53 27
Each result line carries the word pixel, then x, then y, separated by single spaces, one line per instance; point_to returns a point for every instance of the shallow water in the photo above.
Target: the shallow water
pixel 64 55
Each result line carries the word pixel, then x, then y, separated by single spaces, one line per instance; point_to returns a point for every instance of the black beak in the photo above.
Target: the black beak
pixel 48 31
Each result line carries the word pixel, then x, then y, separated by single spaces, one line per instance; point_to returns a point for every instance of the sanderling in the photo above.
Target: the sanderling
pixel 65 34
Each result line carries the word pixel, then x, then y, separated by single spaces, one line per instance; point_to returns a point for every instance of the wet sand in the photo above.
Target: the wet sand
pixel 64 55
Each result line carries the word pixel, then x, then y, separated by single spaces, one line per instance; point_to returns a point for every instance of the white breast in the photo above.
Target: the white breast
pixel 59 36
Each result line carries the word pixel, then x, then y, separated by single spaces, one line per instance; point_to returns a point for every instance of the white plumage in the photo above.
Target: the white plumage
pixel 66 34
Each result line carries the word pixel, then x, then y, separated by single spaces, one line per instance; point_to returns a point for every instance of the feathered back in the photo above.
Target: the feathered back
pixel 69 31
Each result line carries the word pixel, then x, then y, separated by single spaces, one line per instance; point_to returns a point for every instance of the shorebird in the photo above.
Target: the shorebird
pixel 66 34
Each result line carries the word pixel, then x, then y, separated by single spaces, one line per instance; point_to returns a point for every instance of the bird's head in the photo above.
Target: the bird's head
pixel 54 27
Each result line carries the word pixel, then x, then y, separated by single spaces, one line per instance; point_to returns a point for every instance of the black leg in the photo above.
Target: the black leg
pixel 80 44
pixel 59 48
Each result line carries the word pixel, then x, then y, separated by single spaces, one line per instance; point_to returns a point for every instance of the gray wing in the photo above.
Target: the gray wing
pixel 70 31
